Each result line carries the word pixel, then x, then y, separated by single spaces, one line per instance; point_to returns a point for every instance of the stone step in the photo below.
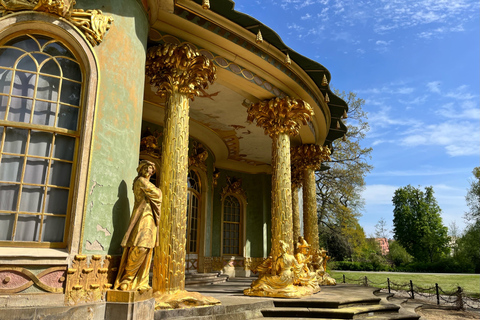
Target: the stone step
pixel 194 283
pixel 316 303
pixel 329 313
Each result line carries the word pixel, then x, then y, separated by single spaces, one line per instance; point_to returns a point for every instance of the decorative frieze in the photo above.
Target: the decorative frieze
pixel 18 279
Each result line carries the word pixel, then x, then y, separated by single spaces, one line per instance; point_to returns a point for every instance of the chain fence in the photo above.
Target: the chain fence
pixel 458 298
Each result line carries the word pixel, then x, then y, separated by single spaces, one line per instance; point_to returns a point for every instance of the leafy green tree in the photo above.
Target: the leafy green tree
pixel 397 254
pixel 339 188
pixel 468 247
pixel 418 225
pixel 473 197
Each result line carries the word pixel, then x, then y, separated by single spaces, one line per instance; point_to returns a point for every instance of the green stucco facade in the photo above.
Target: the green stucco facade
pixel 117 123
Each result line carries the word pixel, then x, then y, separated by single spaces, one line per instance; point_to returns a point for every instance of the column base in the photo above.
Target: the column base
pixel 182 299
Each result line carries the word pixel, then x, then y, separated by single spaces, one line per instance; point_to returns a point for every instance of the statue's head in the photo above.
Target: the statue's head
pixel 145 167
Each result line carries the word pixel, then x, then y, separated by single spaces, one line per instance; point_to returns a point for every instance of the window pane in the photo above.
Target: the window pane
pixel 32 199
pixel 6 226
pixel 57 200
pixel 70 92
pixel 47 88
pixel 9 196
pixel 36 171
pixel 3 106
pixel 11 168
pixel 67 117
pixel 24 84
pixel 27 63
pixel 53 228
pixel 64 147
pixel 28 228
pixel 5 80
pixel 20 110
pixel 71 69
pixel 40 57
pixel 60 173
pixel 40 143
pixel 24 42
pixel 15 140
pixel 44 113
pixel 50 67
pixel 57 49
pixel 8 56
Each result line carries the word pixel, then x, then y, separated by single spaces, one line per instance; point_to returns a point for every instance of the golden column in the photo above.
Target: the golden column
pixel 308 158
pixel 280 118
pixel 178 73
pixel 296 185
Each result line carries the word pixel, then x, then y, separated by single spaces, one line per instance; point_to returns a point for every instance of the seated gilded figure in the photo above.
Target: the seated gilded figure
pixel 282 278
pixel 319 265
pixel 141 236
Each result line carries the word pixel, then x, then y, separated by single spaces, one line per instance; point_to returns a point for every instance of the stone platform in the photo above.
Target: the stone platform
pixel 332 302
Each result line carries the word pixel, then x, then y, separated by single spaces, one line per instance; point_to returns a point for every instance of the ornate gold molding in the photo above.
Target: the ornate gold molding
pixel 234 186
pixel 149 144
pixel 88 281
pixel 280 115
pixel 198 157
pixel 93 23
pixel 179 68
pixel 309 155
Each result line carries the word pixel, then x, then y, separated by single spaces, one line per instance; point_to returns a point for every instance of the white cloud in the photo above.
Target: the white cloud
pixel 306 17
pixel 459 138
pixel 379 194
pixel 433 86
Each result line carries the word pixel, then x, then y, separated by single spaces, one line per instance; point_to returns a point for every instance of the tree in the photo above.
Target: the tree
pixel 381 230
pixel 397 254
pixel 339 188
pixel 418 225
pixel 473 197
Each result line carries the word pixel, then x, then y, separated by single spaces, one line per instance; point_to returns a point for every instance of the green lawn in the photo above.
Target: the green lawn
pixel 470 283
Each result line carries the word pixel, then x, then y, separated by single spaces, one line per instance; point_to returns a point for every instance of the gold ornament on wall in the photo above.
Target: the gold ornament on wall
pixel 198 157
pixel 88 281
pixel 234 186
pixel 93 23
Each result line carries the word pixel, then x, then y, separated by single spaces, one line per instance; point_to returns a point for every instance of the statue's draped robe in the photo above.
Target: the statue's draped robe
pixel 141 236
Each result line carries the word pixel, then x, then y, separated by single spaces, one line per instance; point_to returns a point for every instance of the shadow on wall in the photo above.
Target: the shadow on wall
pixel 120 219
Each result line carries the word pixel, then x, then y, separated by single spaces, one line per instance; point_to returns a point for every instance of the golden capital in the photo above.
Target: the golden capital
pixel 309 156
pixel 280 115
pixel 179 68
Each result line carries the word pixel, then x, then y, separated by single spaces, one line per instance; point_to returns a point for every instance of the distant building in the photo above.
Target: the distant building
pixel 383 243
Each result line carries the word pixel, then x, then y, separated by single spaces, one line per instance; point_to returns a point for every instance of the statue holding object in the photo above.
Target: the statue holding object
pixel 141 236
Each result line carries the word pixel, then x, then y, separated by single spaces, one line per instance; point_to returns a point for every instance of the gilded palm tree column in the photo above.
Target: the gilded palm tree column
pixel 296 184
pixel 309 158
pixel 280 118
pixel 178 72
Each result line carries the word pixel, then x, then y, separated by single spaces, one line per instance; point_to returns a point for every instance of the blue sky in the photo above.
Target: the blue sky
pixel 416 63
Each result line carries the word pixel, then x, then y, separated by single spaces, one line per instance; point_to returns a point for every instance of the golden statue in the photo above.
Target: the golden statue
pixel 319 265
pixel 141 236
pixel 283 277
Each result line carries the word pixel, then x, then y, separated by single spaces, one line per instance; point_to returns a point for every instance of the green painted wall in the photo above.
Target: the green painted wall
pixel 116 136
pixel 258 213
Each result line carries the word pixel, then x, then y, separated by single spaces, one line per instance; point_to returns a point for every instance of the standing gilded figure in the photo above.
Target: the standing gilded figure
pixel 141 236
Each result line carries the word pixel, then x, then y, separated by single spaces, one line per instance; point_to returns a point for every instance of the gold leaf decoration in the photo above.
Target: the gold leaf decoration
pixel 179 68
pixel 280 115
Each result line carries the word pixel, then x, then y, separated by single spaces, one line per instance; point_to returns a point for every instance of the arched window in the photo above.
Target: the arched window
pixel 41 84
pixel 232 226
pixel 193 211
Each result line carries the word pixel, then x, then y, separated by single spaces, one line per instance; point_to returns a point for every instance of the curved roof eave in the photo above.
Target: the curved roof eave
pixel 314 69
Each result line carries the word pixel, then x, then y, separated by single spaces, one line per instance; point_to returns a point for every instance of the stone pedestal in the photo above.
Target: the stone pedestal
pixel 129 305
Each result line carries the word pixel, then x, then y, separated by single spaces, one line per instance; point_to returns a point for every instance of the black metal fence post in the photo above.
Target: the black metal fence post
pixel 344 279
pixel 411 289
pixel 388 282
pixel 366 282
pixel 438 295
